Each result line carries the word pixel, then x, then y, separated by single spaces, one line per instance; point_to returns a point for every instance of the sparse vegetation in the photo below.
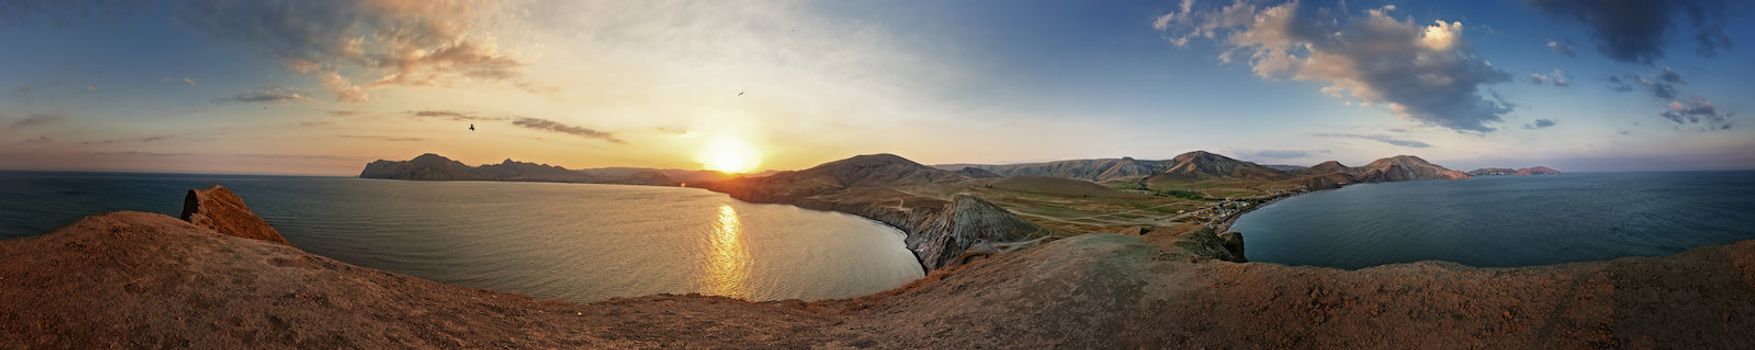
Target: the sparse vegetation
pixel 1184 194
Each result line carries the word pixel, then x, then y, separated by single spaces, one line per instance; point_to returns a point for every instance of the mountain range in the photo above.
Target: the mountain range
pixel 1538 170
pixel 1202 165
pixel 433 167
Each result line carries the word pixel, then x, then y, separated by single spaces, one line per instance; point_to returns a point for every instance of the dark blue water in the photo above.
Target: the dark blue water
pixel 1505 221
pixel 565 241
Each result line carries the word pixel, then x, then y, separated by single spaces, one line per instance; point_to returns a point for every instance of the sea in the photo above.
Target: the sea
pixel 575 242
pixel 1500 221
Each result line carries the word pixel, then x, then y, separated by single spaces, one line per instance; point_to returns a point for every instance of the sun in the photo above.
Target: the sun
pixel 730 155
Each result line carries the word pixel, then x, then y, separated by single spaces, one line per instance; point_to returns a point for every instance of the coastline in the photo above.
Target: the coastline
pixel 130 279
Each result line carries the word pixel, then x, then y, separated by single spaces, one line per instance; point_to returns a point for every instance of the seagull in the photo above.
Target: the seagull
pixel 471 127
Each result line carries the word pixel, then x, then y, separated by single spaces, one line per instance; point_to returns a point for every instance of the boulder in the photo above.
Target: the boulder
pixel 221 210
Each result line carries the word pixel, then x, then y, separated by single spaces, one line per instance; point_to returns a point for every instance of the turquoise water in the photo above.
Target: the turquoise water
pixel 566 241
pixel 1505 221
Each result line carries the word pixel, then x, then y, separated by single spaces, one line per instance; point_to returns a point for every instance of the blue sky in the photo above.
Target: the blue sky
pixel 321 87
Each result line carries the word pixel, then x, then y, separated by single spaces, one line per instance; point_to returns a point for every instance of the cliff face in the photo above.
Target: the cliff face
pixel 218 209
pixel 433 167
pixel 938 230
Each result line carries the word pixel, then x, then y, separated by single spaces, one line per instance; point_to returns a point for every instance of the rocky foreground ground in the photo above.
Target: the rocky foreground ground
pixel 131 280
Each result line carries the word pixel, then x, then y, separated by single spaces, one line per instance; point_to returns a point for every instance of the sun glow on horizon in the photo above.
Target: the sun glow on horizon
pixel 730 155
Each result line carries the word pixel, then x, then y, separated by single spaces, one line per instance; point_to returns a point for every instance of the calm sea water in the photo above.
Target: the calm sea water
pixel 565 241
pixel 1505 221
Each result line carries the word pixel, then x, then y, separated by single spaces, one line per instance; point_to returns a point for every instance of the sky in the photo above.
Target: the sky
pixel 322 87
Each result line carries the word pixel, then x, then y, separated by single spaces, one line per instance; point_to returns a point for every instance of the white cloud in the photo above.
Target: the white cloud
pixel 1424 73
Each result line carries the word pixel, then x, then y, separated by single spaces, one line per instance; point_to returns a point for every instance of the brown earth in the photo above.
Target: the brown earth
pixel 132 280
pixel 221 210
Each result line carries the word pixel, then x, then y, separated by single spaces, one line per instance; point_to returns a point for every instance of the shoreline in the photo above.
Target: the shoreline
pixel 131 279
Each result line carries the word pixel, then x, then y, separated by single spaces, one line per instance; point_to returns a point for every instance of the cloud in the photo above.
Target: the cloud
pixel 146 139
pixel 1697 111
pixel 39 140
pixel 36 120
pixel 1379 138
pixel 1661 85
pixel 1538 124
pixel 90 88
pixel 1557 78
pixel 384 138
pixel 1637 31
pixel 1562 47
pixel 452 115
pixel 1664 86
pixel 267 95
pixel 553 126
pixel 1424 73
pixel 386 42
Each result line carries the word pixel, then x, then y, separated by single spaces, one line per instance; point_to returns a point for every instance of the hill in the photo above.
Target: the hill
pixel 433 167
pixel 1203 164
pixel 1096 170
pixel 1406 168
pixel 1060 187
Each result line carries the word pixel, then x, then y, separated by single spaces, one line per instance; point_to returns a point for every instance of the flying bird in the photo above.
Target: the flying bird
pixel 472 127
pixel 740 93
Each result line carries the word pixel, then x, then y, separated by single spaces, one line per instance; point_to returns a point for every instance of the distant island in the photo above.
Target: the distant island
pixel 433 167
pixel 1538 170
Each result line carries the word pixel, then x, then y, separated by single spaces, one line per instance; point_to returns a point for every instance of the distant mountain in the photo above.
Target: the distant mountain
pixel 1060 186
pixel 433 167
pixel 1405 168
pixel 1538 170
pixel 870 170
pixel 1098 170
pixel 1203 164
pixel 977 173
pixel 1332 174
pixel 1325 168
pixel 683 176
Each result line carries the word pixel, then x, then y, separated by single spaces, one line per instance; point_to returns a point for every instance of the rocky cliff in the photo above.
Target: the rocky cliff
pixel 433 167
pixel 217 208
pixel 938 229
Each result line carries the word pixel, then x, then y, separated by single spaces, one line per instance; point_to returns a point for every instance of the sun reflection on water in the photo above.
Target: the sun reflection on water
pixel 728 265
